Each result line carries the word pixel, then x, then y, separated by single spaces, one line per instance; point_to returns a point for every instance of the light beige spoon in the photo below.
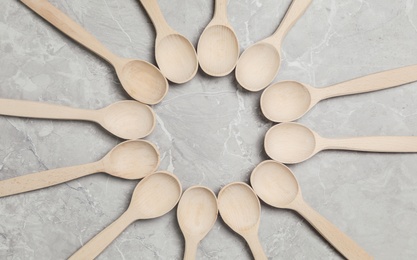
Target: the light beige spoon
pixel 293 143
pixel 175 55
pixel 141 80
pixel 241 211
pixel 289 100
pixel 131 160
pixel 277 186
pixel 259 64
pixel 154 196
pixel 196 213
pixel 125 119
pixel 218 47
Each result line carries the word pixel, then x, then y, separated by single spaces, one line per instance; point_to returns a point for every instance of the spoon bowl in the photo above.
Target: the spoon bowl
pixel 176 58
pixel 290 143
pixel 218 50
pixel 142 81
pixel 128 119
pixel 132 160
pixel 154 196
pixel 286 101
pixel 197 212
pixel 258 66
pixel 277 186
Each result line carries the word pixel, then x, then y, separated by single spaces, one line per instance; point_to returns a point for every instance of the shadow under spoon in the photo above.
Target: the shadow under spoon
pixel 259 64
pixel 175 55
pixel 154 196
pixel 131 160
pixel 124 119
pixel 141 80
pixel 241 211
pixel 294 143
pixel 197 212
pixel 277 186
pixel 289 100
pixel 218 47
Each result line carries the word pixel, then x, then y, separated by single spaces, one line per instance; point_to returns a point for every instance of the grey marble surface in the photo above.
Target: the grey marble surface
pixel 209 130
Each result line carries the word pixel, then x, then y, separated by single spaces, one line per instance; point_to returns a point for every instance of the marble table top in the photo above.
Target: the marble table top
pixel 209 130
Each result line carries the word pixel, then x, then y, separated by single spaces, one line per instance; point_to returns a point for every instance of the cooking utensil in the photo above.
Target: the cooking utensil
pixel 218 47
pixel 241 211
pixel 175 55
pixel 289 100
pixel 141 80
pixel 153 197
pixel 125 119
pixel 131 160
pixel 259 64
pixel 293 143
pixel 277 186
pixel 197 213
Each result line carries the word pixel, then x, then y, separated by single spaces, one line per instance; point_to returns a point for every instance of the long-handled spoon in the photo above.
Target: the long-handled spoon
pixel 125 119
pixel 154 196
pixel 277 186
pixel 196 213
pixel 293 143
pixel 131 160
pixel 241 211
pixel 175 55
pixel 218 47
pixel 141 80
pixel 289 100
pixel 259 64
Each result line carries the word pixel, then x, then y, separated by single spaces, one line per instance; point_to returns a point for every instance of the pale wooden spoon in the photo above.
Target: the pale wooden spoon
pixel 241 211
pixel 197 212
pixel 218 47
pixel 141 80
pixel 289 100
pixel 259 64
pixel 154 196
pixel 277 186
pixel 293 143
pixel 175 55
pixel 131 160
pixel 125 119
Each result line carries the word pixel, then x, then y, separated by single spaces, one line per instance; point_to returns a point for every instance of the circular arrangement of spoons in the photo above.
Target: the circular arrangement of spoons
pixel 160 191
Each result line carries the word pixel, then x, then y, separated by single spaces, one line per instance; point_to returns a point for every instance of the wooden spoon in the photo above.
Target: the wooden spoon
pixel 125 119
pixel 289 100
pixel 259 64
pixel 153 197
pixel 141 80
pixel 175 55
pixel 293 143
pixel 218 47
pixel 196 213
pixel 277 186
pixel 131 160
pixel 241 211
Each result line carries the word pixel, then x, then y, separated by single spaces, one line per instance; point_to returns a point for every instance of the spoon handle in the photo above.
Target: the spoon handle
pixel 255 246
pixel 295 11
pixel 373 82
pixel 191 246
pixel 220 10
pixel 23 108
pixel 344 244
pixel 39 180
pixel 97 244
pixel 383 144
pixel 158 20
pixel 70 28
